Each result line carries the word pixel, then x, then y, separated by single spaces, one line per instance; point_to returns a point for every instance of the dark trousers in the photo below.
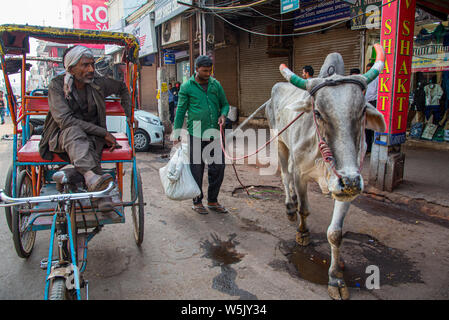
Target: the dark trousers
pixel 215 168
pixel 83 150
pixel 369 134
pixel 171 108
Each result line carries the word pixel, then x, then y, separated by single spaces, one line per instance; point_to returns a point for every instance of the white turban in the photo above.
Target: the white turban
pixel 72 58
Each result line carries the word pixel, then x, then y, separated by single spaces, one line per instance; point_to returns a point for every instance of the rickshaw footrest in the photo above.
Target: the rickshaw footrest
pixel 44 263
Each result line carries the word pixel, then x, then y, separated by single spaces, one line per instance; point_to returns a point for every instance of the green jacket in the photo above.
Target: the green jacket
pixel 203 108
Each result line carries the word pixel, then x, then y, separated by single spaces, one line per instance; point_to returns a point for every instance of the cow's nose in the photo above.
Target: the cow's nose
pixel 351 184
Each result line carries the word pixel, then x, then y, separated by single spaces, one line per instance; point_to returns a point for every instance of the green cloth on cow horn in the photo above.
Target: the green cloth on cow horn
pixel 371 75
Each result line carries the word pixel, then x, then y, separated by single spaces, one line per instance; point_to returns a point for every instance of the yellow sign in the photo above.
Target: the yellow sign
pixel 164 87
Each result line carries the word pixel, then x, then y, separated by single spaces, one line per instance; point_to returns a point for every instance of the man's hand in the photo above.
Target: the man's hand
pixel 175 138
pixel 111 142
pixel 221 120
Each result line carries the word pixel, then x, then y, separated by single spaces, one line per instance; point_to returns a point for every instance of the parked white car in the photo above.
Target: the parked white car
pixel 150 131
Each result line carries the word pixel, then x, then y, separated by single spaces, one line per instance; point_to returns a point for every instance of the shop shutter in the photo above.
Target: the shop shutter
pixel 258 72
pixel 313 49
pixel 148 87
pixel 225 71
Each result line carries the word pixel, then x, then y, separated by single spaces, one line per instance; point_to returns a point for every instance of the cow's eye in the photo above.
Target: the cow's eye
pixel 318 115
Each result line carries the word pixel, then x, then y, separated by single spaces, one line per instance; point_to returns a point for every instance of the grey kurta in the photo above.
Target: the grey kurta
pixel 68 129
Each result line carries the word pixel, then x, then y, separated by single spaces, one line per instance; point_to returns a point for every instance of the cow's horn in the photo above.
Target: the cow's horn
pixel 378 65
pixel 292 77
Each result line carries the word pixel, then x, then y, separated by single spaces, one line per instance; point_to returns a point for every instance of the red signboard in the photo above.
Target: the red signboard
pixel 398 19
pixel 91 15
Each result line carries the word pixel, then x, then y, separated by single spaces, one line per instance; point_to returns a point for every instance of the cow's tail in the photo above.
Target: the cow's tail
pixel 231 134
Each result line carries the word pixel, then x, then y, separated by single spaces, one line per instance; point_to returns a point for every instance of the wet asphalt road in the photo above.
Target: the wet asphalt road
pixel 247 254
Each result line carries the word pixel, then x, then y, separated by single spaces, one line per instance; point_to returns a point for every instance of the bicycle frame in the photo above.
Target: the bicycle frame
pixel 61 226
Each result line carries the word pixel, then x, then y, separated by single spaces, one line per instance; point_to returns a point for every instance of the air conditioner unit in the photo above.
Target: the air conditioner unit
pixel 175 30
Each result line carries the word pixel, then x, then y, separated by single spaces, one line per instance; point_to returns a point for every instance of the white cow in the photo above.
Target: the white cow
pixel 335 116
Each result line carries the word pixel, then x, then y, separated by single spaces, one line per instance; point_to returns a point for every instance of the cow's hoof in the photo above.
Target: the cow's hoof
pixel 292 217
pixel 338 290
pixel 303 238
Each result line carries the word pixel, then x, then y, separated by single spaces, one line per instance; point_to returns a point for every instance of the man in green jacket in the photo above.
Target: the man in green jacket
pixel 204 99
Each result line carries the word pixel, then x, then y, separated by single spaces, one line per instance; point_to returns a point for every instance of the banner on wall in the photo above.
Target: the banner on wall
pixel 366 13
pixel 91 15
pixel 144 31
pixel 430 58
pixel 318 12
pixel 167 9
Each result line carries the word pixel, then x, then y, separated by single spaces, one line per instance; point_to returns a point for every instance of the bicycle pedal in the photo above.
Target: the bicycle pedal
pixel 44 263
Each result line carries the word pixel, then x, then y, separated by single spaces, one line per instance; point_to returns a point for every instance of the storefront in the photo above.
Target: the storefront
pixel 174 40
pixel 258 70
pixel 311 49
pixel 143 29
pixel 430 82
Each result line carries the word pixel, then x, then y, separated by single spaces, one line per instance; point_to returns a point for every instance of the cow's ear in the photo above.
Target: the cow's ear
pixel 374 119
pixel 300 106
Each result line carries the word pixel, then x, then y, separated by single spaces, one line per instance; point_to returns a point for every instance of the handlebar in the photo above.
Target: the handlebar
pixel 6 201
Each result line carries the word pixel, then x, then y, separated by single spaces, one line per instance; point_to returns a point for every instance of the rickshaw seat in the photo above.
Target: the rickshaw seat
pixel 39 104
pixel 117 135
pixel 30 153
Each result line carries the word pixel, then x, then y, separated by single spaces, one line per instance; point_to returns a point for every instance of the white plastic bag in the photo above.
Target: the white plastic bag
pixel 176 177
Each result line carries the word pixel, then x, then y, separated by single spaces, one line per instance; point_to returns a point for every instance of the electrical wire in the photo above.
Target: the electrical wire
pixel 294 34
pixel 271 17
pixel 237 7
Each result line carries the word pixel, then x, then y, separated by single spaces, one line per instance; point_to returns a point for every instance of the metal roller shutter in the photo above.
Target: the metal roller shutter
pixel 225 71
pixel 148 88
pixel 258 72
pixel 313 49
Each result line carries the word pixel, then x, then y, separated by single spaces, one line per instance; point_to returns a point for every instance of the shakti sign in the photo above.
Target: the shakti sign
pixel 398 20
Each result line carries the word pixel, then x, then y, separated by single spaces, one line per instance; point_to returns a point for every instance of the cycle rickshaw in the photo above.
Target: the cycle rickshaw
pixel 31 198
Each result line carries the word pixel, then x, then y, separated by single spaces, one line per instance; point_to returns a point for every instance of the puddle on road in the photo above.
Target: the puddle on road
pixel 358 251
pixel 223 254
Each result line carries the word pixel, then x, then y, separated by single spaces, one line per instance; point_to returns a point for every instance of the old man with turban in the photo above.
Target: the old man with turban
pixel 75 127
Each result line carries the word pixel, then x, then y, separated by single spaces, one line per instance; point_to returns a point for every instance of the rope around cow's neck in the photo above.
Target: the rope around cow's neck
pixel 326 152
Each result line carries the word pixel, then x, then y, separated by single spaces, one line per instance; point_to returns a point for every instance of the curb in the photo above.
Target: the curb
pixel 419 204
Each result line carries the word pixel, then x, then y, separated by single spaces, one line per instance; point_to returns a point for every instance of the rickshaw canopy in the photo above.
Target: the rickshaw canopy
pixel 14 39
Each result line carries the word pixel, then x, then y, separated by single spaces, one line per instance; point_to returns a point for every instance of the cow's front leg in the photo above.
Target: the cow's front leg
pixel 302 233
pixel 337 287
pixel 287 180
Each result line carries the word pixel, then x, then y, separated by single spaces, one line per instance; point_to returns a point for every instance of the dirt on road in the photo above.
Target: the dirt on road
pixel 249 253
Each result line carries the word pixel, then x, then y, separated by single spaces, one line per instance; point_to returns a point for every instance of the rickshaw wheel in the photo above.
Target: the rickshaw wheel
pixel 58 290
pixel 8 191
pixel 23 239
pixel 137 210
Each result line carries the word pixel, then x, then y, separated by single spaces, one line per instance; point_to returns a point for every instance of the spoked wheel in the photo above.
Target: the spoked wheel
pixel 8 190
pixel 23 239
pixel 138 208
